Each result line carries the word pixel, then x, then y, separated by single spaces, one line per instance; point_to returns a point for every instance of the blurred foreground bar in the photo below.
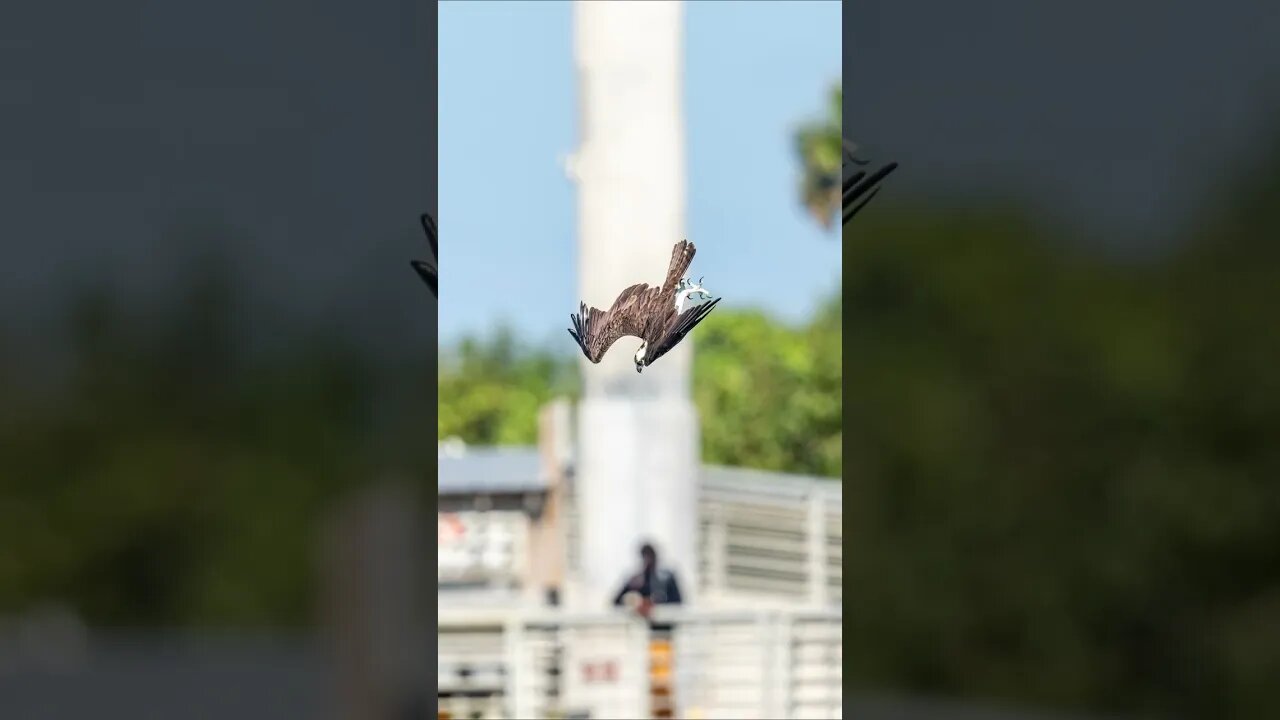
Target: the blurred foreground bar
pixel 374 603
pixel 52 667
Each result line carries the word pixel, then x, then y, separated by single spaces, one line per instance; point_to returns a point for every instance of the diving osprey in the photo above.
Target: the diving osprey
pixel 659 316
pixel 427 269
pixel 859 184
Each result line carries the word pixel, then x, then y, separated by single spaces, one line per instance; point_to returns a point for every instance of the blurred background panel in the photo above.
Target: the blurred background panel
pixel 1060 398
pixel 210 337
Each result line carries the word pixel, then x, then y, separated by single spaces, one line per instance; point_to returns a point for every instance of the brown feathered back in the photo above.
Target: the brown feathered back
pixel 597 330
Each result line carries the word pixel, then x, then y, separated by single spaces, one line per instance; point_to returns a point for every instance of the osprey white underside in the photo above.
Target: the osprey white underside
pixel 688 294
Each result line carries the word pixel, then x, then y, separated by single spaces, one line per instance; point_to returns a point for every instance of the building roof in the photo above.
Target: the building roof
pixel 513 470
pixel 490 471
pixel 768 482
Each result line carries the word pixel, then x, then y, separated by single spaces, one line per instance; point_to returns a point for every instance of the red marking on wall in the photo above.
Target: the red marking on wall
pixel 449 528
pixel 600 671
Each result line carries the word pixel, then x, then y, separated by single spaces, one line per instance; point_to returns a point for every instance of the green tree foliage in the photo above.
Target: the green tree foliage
pixel 818 148
pixel 491 390
pixel 769 395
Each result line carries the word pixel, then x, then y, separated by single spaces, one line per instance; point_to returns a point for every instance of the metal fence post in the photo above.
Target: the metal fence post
pixel 816 529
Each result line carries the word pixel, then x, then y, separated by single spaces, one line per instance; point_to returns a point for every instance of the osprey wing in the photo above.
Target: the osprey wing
pixel 860 186
pixel 427 270
pixel 429 226
pixel 595 330
pixel 676 328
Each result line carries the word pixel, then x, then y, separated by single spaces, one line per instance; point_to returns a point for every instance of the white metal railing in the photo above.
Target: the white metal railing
pixel 771 537
pixel 543 664
pixel 764 538
pixel 582 665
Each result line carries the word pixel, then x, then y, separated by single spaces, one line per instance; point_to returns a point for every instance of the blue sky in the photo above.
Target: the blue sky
pixel 754 71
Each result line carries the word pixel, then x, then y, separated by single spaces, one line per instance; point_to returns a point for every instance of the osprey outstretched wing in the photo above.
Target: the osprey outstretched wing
pixel 678 325
pixel 597 330
pixel 859 186
pixel 659 316
pixel 427 269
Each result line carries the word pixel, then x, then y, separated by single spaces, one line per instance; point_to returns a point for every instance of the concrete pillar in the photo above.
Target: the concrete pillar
pixel 638 433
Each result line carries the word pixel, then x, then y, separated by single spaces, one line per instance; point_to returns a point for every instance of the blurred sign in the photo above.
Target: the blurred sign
pixel 482 546
pixel 600 671
pixel 450 529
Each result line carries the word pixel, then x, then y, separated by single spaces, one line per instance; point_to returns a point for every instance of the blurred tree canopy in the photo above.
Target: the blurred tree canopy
pixel 769 394
pixel 176 477
pixel 491 390
pixel 1061 479
pixel 818 147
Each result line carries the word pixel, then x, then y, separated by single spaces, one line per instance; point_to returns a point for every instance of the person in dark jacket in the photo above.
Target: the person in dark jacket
pixel 652 585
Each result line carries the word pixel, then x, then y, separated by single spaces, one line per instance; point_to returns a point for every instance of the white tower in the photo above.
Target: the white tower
pixel 637 433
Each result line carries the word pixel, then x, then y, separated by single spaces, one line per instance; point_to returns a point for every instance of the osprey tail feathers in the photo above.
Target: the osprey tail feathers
pixel 681 259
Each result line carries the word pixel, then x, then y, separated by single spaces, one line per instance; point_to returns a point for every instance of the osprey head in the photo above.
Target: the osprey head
pixel 639 358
